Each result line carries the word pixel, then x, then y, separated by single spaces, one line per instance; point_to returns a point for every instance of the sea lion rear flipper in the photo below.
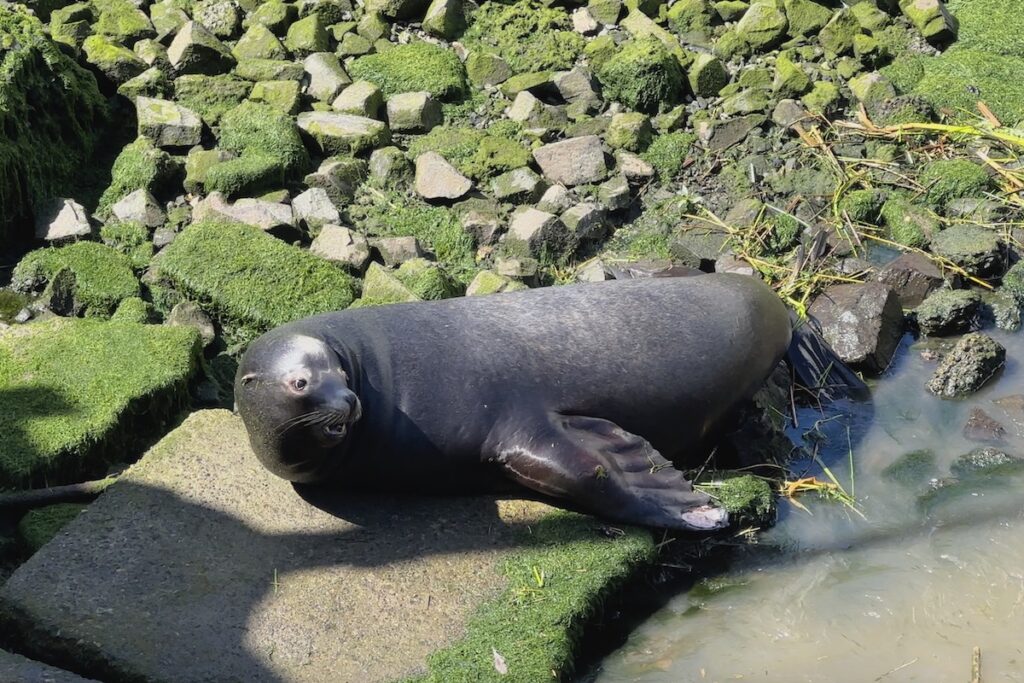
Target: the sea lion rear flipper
pixel 607 471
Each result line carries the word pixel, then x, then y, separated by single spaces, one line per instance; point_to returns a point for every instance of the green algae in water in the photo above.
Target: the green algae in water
pixel 11 303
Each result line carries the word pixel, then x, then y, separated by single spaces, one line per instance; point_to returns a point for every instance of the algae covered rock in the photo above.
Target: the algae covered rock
pixel 139 166
pixel 969 366
pixel 62 419
pixel 948 311
pixel 643 75
pixel 976 249
pixel 102 276
pixel 248 280
pixel 946 180
pixel 525 36
pixel 336 133
pixel 413 67
pixel 51 112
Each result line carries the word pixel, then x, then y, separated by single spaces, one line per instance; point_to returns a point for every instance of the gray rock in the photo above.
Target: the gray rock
pixel 342 245
pixel 272 217
pixel 912 276
pixel 437 179
pixel 719 136
pixel 614 193
pixel 445 18
pixel 62 220
pixel 188 314
pixel 788 113
pixel 633 166
pixel 389 166
pixel 414 112
pixel 593 270
pixel 325 75
pixel 343 133
pixel 862 322
pixel 985 461
pixel 222 18
pixel 339 177
pixel 315 208
pixel 584 23
pixel 521 185
pixel 976 249
pixel 18 669
pixel 195 50
pixel 483 224
pixel 362 98
pixel 140 207
pixel 586 222
pixel 573 162
pixel 981 426
pixel 397 250
pixel 578 87
pixel 948 311
pixel 538 230
pixel 1001 309
pixel 556 199
pixel 168 124
pixel 522 269
pixel 730 263
pixel 969 366
pixel 701 243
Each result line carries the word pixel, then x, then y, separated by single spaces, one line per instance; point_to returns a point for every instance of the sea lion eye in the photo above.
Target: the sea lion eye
pixel 300 383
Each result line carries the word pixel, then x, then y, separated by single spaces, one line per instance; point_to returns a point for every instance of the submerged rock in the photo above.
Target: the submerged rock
pixel 969 366
pixel 980 426
pixel 911 469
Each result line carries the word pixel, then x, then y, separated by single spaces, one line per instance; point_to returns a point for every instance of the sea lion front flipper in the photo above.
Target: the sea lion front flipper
pixel 607 471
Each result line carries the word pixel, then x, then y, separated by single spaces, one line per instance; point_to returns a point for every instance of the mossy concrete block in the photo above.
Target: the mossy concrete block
pixel 274 14
pixel 307 36
pixel 445 18
pixel 573 162
pixel 116 62
pixel 931 18
pixel 909 224
pixel 195 50
pixel 211 96
pixel 763 26
pixel 527 36
pixel 39 526
pixel 122 21
pixel 838 35
pixel 74 392
pixel 250 279
pixel 411 586
pixel 414 67
pixel 806 17
pixel 283 96
pixel 168 124
pixel 822 99
pixel 485 68
pixel 414 112
pixel 643 75
pixel 871 87
pixel 17 668
pixel 489 282
pixel 269 70
pixel 259 42
pixel 381 286
pixel 707 75
pixel 325 75
pixel 362 98
pixel 334 133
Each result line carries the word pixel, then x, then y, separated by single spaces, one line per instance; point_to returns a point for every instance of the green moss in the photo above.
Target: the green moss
pixel 437 228
pixel 103 276
pixel 133 310
pixel 131 239
pixel 122 20
pixel 427 280
pixel 989 25
pixel 140 165
pixel 911 469
pixel 477 154
pixel 748 499
pixel 249 280
pixel 960 77
pixel 61 419
pixel 210 96
pixel 862 206
pixel 643 75
pixel 906 72
pixel 50 113
pixel 39 526
pixel 949 179
pixel 559 579
pixel 247 175
pixel 1013 281
pixel 668 152
pixel 527 35
pixel 783 233
pixel 412 68
pixel 909 224
pixel 11 303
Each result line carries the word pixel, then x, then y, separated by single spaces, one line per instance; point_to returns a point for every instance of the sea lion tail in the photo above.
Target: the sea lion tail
pixel 818 367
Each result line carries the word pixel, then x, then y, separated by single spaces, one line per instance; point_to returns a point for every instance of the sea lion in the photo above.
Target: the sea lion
pixel 572 391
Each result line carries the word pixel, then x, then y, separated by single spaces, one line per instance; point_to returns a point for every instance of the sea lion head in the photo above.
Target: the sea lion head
pixel 297 404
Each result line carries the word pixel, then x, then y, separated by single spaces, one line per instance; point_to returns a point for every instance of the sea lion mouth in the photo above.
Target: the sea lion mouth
pixel 336 431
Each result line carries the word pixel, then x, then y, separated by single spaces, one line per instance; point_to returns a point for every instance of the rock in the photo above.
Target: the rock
pixel 326 76
pixel 862 322
pixel 762 26
pixel 838 35
pixel 259 42
pixel 909 224
pixel 272 217
pixel 389 166
pixel 633 166
pixel 557 199
pixel 871 87
pixel 16 668
pixel 788 113
pixel 1001 309
pixel 578 87
pixel 614 193
pixel 521 185
pixel 572 162
pixel 790 78
pixel 806 17
pixel 315 208
pixel 307 36
pixel 188 314
pixel 195 50
pixel 339 177
pixel 281 95
pixel 342 245
pixel 362 98
pixel 538 231
pixel 630 131
pixel 116 62
pixel 380 286
pixel 974 360
pixel 912 276
pixel 222 18
pixel 62 220
pixel 948 311
pixel 489 282
pixel 931 18
pixel 719 136
pixel 486 69
pixel 397 250
pixel 438 179
pixel 912 469
pixel 584 23
pixel 140 207
pixel 343 133
pixel 985 461
pixel 168 124
pixel 414 112
pixel 980 426
pixel 586 222
pixel 445 18
pixel 976 249
pixel 483 223
pixel 707 75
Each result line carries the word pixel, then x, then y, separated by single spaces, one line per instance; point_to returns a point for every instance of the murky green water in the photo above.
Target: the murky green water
pixel 903 595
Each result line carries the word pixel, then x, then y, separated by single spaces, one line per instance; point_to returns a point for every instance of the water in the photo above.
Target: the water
pixel 903 595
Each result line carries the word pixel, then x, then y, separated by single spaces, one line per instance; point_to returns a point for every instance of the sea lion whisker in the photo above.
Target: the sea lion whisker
pixel 306 419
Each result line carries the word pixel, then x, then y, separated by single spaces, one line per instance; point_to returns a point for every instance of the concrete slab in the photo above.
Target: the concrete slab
pixel 18 669
pixel 200 566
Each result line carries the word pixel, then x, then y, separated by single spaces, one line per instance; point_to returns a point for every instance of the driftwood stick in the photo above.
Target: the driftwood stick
pixel 976 665
pixel 83 492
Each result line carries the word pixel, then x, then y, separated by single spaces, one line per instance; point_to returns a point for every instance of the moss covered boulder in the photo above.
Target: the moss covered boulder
pixel 413 68
pixel 527 37
pixel 76 392
pixel 51 112
pixel 249 280
pixel 416 588
pixel 643 75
